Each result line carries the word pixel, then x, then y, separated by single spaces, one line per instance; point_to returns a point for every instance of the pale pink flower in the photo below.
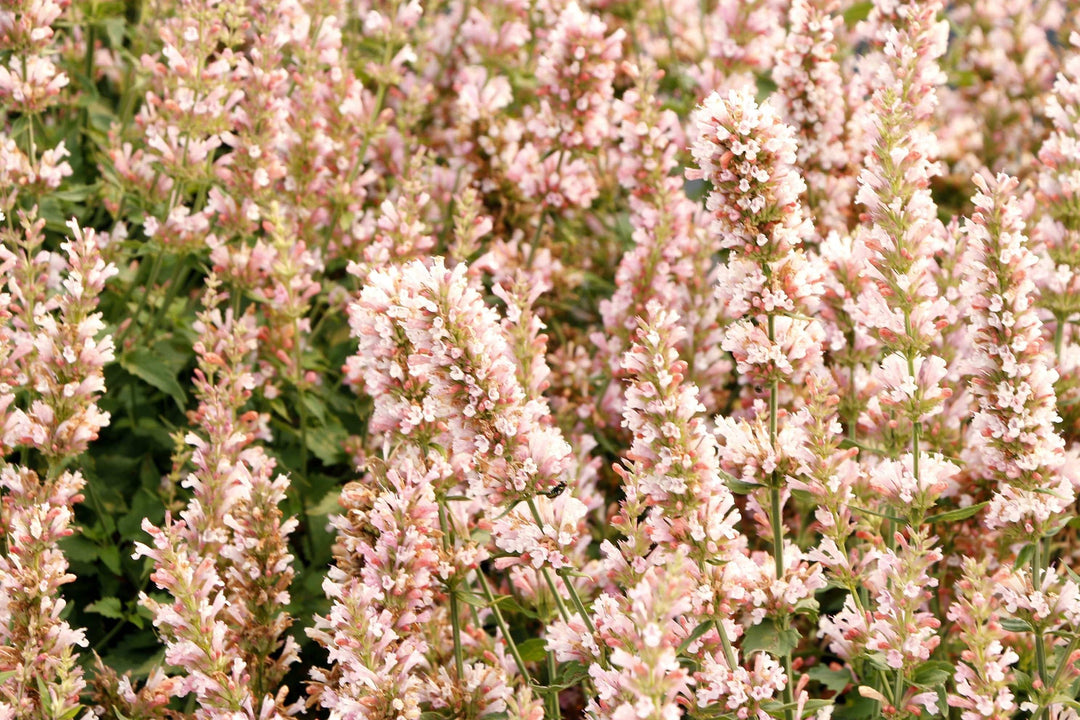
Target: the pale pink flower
pixel 641 632
pixel 539 545
pixel 427 329
pixel 748 154
pixel 740 690
pixel 40 648
pixel 983 679
pixel 382 590
pixel 1012 434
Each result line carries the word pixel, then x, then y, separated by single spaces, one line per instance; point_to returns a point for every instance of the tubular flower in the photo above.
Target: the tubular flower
pixel 1013 431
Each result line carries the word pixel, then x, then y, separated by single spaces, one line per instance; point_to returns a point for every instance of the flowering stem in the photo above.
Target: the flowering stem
pixel 551 581
pixel 777 520
pixel 32 150
pixel 1036 579
pixel 455 614
pixel 536 237
pixel 502 626
pixel 1057 674
pixel 552 699
pixel 729 654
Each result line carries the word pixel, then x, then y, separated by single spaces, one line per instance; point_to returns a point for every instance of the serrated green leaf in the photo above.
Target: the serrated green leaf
pixel 1023 558
pixel 571 674
pixel 110 557
pixel 532 650
pixel 768 637
pixel 857 708
pixel 875 513
pixel 327 443
pixel 152 369
pixel 933 673
pixel 114 30
pixel 327 505
pixel 834 680
pixel 743 488
pixel 144 505
pixel 108 607
pixel 315 406
pixel 77 548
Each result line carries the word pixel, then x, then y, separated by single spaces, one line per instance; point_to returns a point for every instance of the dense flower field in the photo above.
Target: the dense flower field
pixel 623 359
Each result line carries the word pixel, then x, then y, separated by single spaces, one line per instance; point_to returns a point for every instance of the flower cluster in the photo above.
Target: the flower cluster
pixel 1013 431
pixel 225 560
pixel 524 360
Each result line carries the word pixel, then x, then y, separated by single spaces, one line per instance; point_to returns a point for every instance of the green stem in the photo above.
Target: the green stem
pixel 455 613
pixel 501 623
pixel 1036 579
pixel 778 555
pixel 552 699
pixel 174 287
pixel 536 239
pixel 299 383
pixel 898 689
pixel 777 519
pixel 729 654
pixel 1057 674
pixel 155 270
pixel 551 581
pixel 576 600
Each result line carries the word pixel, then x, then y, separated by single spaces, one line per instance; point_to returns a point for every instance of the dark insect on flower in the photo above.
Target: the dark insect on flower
pixel 556 491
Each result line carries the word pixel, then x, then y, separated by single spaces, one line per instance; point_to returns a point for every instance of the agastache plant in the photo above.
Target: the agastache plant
pixel 507 360
pixel 53 353
pixel 747 154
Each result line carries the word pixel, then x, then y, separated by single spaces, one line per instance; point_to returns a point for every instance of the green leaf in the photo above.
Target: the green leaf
pixel 933 673
pixel 144 505
pixel 532 650
pixel 695 189
pixel 327 505
pixel 1016 625
pixel 700 630
pixel 153 370
pixel 315 406
pixel 957 514
pixel 108 607
pixel 110 557
pixel 884 516
pixel 857 708
pixel 768 637
pixel 327 443
pixel 1023 558
pixel 834 680
pixel 743 488
pixel 737 486
pixel 78 549
pixel 114 30
pixel 571 674
pixel 857 12
pixel 807 606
